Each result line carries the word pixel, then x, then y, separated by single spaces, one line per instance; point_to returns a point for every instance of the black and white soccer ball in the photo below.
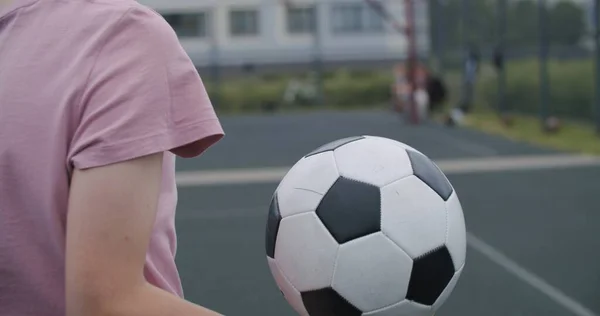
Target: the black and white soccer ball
pixel 365 226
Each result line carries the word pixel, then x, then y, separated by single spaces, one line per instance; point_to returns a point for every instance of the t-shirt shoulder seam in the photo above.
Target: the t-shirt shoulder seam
pixel 130 8
pixel 86 82
pixel 6 14
pixel 168 77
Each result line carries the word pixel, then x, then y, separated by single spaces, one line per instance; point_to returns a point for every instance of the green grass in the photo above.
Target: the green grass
pixel 573 136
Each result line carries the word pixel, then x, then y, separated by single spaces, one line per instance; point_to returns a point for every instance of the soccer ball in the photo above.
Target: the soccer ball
pixel 365 226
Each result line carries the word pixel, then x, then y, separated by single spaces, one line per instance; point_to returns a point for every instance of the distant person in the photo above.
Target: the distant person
pixel 471 69
pixel 96 99
pixel 421 99
pixel 430 90
pixel 498 58
pixel 437 91
pixel 470 72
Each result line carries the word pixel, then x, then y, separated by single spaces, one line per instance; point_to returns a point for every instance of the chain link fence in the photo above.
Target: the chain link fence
pixel 535 56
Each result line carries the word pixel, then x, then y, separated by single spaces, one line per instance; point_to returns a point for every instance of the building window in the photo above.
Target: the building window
pixel 301 20
pixel 243 22
pixel 356 18
pixel 188 24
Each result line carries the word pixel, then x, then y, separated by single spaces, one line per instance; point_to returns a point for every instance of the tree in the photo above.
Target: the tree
pixel 444 17
pixel 522 23
pixel 447 17
pixel 566 23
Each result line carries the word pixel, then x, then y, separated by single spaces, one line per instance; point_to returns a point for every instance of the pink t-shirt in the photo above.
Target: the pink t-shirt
pixel 86 83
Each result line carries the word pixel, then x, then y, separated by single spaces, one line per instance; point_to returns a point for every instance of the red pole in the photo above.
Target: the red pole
pixel 411 58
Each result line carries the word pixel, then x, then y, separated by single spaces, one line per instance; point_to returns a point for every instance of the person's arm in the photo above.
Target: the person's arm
pixel 110 218
pixel 143 97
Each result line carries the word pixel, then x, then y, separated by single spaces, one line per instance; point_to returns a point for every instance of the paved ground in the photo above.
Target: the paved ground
pixel 545 222
pixel 266 141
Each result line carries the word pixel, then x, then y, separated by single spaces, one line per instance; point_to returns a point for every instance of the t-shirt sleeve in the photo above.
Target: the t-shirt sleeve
pixel 143 96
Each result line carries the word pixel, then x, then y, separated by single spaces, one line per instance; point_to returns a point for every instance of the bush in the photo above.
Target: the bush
pixel 571 88
pixel 363 89
pixel 342 89
pixel 246 95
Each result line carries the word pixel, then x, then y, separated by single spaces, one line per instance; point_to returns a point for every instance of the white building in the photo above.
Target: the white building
pixel 260 32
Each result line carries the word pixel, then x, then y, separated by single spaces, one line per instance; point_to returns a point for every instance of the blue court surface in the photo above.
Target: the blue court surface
pixel 532 232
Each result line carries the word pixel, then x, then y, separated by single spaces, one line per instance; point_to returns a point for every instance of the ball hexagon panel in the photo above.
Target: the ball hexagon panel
pixel 430 276
pixel 447 291
pixel 273 220
pixel 413 216
pixel 404 308
pixel 456 240
pixel 372 272
pixel 327 302
pixel 305 184
pixel 334 145
pixel 430 173
pixel 373 160
pixel 305 252
pixel 291 295
pixel 350 209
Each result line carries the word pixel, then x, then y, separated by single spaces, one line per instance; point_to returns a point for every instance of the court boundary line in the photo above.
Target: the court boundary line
pixel 527 277
pixel 450 167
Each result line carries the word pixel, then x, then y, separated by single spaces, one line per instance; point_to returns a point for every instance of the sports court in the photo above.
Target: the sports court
pixel 532 215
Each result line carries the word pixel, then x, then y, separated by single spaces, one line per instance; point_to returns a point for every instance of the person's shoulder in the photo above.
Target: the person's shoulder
pixel 122 6
pixel 130 10
pixel 117 24
pixel 116 14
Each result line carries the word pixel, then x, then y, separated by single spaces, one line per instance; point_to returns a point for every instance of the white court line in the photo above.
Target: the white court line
pixel 531 279
pixel 456 166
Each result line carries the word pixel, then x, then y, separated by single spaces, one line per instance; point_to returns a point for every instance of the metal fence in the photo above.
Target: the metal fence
pixel 539 57
pixel 536 56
